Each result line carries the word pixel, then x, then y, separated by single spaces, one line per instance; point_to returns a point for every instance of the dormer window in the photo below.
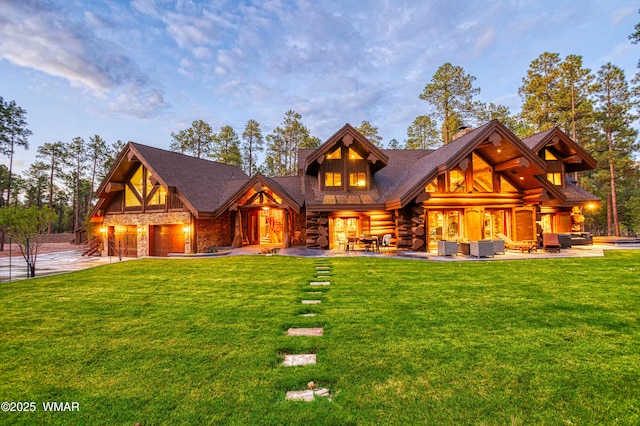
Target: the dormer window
pixel 332 179
pixel 335 155
pixel 358 179
pixel 353 155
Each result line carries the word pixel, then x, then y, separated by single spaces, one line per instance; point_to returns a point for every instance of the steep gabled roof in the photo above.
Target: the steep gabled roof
pixel 573 155
pixel 346 135
pixel 277 185
pixel 198 182
pixel 497 145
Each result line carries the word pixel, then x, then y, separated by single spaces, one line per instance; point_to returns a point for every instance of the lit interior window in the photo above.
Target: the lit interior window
pixel 353 155
pixel 159 197
pixel 335 155
pixel 548 155
pixel 332 179
pixel 456 181
pixel 555 178
pixel 357 179
pixel 433 186
pixel 482 175
pixel 506 186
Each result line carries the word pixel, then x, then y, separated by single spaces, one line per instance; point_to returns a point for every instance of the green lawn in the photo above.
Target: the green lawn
pixel 200 341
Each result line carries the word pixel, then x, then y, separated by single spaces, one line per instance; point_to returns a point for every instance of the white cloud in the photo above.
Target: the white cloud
pixel 62 44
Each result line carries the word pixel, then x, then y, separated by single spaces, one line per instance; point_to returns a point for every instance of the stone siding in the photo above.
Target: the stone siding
pixel 143 221
pixel 214 232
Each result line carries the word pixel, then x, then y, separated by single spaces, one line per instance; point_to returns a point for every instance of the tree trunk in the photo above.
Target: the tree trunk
pixel 614 198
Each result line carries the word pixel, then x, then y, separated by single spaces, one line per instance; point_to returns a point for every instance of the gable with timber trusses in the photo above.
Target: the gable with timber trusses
pixel 345 162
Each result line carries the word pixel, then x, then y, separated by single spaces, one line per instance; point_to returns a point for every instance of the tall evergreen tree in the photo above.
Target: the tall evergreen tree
pixel 422 134
pixel 77 161
pixel 227 147
pixel 196 140
pixel 283 144
pixel 451 93
pixel 253 143
pixel 54 154
pixel 97 152
pixel 370 132
pixel 614 118
pixel 539 92
pixel 13 133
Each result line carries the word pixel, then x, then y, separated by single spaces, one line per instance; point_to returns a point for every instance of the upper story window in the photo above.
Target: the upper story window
pixel 456 181
pixel 482 175
pixel 332 179
pixel 353 155
pixel 506 186
pixel 358 179
pixel 335 155
pixel 133 191
pixel 555 178
pixel 345 168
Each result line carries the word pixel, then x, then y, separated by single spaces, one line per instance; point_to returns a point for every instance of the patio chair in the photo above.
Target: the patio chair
pixel 386 242
pixel 551 243
pixel 509 244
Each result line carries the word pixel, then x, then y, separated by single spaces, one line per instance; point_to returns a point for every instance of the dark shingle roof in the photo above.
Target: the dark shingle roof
pixel 200 182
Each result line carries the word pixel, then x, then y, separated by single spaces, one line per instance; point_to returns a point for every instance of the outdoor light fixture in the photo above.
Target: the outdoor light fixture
pixel 185 229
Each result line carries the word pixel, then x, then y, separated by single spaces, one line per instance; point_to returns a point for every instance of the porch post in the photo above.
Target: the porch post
pixel 286 241
pixel 237 232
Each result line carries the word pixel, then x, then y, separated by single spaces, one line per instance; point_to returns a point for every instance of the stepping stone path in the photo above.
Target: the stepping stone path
pixel 323 272
pixel 304 332
pixel 306 395
pixel 296 360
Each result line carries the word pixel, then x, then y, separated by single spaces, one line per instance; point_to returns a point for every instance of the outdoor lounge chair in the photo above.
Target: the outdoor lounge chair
pixel 523 246
pixel 551 243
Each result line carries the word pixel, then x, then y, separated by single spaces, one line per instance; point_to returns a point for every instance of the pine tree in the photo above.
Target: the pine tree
pixel 422 134
pixel 253 143
pixel 614 117
pixel 451 94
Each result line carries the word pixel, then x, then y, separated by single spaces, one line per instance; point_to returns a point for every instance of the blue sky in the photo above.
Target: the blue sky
pixel 139 70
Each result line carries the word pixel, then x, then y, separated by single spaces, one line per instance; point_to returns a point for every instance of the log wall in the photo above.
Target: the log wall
pixel 318 230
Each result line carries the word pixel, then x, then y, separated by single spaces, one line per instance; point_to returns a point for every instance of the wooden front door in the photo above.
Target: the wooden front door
pixel 253 227
pixel 165 239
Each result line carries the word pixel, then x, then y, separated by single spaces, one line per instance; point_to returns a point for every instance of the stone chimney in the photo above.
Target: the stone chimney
pixel 462 130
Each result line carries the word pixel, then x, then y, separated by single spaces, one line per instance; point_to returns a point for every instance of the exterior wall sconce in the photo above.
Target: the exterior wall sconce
pixel 185 229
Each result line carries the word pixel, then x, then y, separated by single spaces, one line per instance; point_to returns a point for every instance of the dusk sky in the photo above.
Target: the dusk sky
pixel 139 70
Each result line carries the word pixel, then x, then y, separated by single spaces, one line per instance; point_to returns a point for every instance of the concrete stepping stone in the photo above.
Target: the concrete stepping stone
pixel 306 395
pixel 320 283
pixel 300 359
pixel 311 302
pixel 304 332
pixel 315 292
pixel 323 267
pixel 308 315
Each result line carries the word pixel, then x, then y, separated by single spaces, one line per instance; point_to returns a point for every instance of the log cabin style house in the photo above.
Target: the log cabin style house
pixel 485 182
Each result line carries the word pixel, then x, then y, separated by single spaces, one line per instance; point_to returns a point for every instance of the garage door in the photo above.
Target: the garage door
pixel 166 239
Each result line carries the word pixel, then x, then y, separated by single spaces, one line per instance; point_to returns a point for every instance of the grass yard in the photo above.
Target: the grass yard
pixel 200 341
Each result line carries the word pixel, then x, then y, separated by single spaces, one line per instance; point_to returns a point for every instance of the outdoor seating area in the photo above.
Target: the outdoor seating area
pixel 522 246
